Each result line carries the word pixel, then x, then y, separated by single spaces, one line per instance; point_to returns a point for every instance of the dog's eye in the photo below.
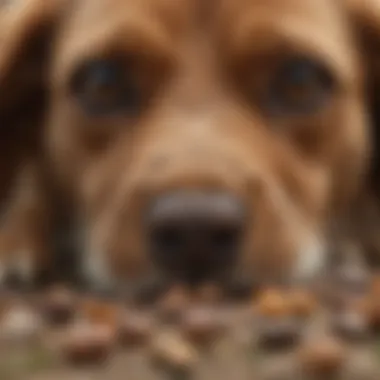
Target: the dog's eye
pixel 106 87
pixel 300 86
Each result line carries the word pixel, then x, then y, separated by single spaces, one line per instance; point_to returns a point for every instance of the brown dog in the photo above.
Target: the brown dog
pixel 16 138
pixel 196 140
pixel 20 135
pixel 364 222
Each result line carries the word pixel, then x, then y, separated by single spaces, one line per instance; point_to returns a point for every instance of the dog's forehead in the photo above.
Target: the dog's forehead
pixel 90 11
pixel 278 7
pixel 318 25
pixel 318 13
pixel 192 12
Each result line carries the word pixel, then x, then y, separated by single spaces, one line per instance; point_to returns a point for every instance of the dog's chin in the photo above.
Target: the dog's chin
pixel 101 280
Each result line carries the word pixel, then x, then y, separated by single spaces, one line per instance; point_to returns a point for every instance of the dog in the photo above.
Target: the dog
pixel 364 217
pixel 25 255
pixel 22 243
pixel 195 141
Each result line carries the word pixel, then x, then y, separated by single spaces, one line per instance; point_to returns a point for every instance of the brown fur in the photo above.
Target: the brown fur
pixel 364 220
pixel 202 72
pixel 21 113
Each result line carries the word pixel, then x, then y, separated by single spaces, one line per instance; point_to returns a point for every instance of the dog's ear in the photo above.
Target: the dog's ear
pixel 365 19
pixel 27 30
pixel 27 37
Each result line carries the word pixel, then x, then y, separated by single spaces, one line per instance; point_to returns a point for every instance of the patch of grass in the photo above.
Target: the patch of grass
pixel 16 364
pixel 377 348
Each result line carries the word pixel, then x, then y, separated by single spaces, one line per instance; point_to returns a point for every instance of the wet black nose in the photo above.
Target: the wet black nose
pixel 195 236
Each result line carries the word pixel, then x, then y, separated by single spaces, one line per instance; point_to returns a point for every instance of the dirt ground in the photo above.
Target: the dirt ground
pixel 223 358
pixel 278 337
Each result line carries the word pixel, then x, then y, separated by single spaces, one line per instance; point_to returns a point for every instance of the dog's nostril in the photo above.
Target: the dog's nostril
pixel 168 238
pixel 195 234
pixel 225 238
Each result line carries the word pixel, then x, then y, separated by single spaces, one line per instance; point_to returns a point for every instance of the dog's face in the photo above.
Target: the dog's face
pixel 205 140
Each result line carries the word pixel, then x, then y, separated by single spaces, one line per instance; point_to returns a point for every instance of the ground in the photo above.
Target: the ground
pixel 280 335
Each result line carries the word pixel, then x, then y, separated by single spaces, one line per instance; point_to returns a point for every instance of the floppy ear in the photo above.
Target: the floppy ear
pixel 365 18
pixel 365 223
pixel 27 35
pixel 26 30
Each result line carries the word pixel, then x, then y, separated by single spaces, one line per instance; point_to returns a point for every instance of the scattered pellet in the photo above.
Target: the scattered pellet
pixel 86 343
pixel 278 333
pixel 273 303
pixel 100 312
pixel 302 303
pixel 20 325
pixel 174 303
pixel 350 325
pixel 59 306
pixel 135 328
pixel 172 354
pixel 202 325
pixel 322 357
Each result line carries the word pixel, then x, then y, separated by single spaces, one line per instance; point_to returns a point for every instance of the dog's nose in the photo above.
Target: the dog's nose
pixel 195 236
